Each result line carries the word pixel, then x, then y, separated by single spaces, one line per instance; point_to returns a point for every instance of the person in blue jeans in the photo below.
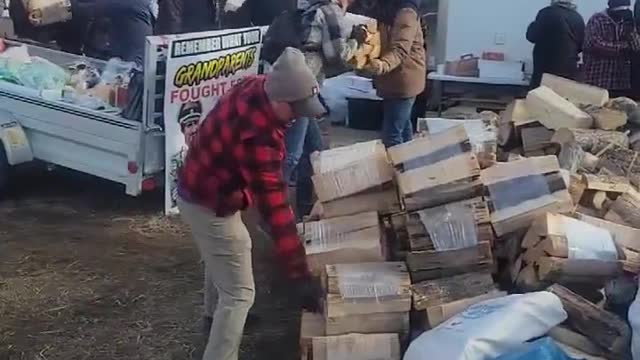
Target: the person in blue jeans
pixel 399 74
pixel 302 139
pixel 396 126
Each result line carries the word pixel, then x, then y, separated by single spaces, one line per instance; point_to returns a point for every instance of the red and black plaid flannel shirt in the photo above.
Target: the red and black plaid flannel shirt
pixel 607 61
pixel 236 158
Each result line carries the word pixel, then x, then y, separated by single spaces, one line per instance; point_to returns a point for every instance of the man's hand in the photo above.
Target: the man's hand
pixel 360 34
pixel 308 292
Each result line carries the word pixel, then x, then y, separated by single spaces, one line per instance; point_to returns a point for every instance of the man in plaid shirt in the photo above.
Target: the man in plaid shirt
pixel 234 162
pixel 610 40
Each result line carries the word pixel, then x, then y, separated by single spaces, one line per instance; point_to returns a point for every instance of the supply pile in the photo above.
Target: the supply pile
pixel 88 83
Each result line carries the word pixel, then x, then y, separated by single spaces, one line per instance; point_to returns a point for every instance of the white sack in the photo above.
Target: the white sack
pixel 489 329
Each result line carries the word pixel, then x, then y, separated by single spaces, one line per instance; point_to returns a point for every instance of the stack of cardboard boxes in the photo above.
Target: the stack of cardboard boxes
pixel 366 300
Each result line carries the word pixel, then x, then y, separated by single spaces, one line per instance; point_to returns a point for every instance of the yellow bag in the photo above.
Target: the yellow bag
pixel 370 49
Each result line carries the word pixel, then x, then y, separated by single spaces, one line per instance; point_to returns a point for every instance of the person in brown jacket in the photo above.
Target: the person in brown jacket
pixel 400 72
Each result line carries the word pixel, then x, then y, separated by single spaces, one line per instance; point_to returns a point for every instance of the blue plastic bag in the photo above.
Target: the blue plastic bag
pixel 541 349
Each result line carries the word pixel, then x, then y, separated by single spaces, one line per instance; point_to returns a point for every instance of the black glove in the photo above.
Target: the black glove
pixel 360 34
pixel 308 292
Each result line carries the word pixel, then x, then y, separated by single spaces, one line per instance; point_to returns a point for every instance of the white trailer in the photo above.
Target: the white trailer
pixel 100 143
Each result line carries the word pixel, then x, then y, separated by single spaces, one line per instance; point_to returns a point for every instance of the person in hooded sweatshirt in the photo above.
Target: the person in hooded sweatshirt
pixel 399 74
pixel 557 34
pixel 611 39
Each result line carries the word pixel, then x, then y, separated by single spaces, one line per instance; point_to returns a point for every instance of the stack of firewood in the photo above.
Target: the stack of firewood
pixel 436 169
pixel 366 300
pixel 354 179
pixel 560 249
pixel 561 208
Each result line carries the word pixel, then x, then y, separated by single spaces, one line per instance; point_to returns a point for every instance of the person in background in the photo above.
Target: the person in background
pixel 610 41
pixel 234 162
pixel 400 72
pixel 328 45
pixel 183 16
pixel 130 22
pixel 557 34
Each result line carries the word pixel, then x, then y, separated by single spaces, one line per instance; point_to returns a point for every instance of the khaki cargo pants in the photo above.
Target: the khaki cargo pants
pixel 225 247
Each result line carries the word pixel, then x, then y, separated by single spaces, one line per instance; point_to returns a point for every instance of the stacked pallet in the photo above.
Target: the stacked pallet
pixel 519 191
pixel 449 240
pixel 367 298
pixel 436 169
pixel 435 301
pixel 560 249
pixel 354 179
pixel 363 302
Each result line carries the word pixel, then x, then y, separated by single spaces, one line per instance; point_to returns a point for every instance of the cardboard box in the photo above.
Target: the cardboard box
pixel 436 169
pixel 356 347
pixel 348 239
pixel 345 171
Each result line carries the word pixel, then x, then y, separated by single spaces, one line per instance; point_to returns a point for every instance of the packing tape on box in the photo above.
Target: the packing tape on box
pixel 451 226
pixel 483 134
pixel 588 242
pixel 341 157
pixel 321 237
pixel 368 286
pixel 516 191
pixel 437 156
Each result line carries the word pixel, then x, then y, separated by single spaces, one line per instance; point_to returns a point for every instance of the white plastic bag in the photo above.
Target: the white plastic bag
pixel 634 321
pixel 489 329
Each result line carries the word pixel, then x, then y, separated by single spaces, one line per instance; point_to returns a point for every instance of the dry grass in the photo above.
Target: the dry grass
pixel 84 279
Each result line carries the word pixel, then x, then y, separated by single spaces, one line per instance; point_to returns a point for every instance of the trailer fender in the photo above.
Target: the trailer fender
pixel 15 141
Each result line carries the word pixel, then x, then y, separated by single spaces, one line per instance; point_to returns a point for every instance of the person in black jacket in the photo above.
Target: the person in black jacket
pixel 558 34
pixel 183 16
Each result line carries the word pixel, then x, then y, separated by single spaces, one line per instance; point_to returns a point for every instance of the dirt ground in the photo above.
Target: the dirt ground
pixel 87 272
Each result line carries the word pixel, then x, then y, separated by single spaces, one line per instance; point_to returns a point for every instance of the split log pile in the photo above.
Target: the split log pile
pixel 449 220
pixel 449 240
pixel 601 333
pixel 561 249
